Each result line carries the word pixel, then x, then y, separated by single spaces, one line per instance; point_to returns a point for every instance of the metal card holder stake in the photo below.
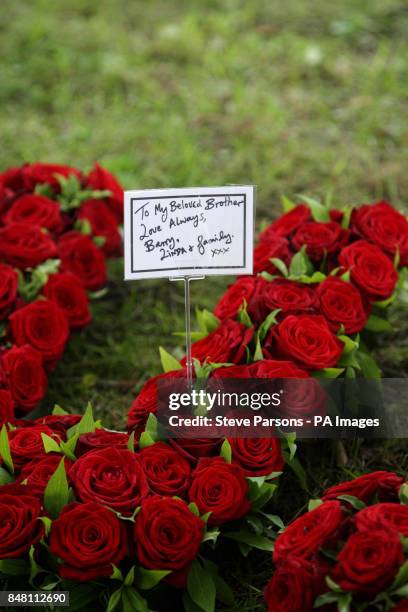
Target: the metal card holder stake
pixel 187 320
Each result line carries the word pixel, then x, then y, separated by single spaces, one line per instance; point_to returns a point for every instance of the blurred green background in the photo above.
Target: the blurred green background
pixel 294 96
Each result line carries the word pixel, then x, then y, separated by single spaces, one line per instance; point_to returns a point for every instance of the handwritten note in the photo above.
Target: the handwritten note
pixel 188 232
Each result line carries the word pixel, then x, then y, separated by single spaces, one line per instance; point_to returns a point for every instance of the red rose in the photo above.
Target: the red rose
pixel 382 484
pixel 271 368
pixel 101 179
pixel 103 223
pixel 306 339
pixel 225 344
pixel 25 377
pixel 112 477
pixel 70 296
pixel 99 439
pixel 8 289
pixel 287 223
pixel 6 407
pixel 36 210
pixel 167 536
pixel 257 456
pixel 37 472
pixel 25 246
pixel 381 224
pixel 220 488
pixel 27 444
pixel 13 181
pixel 59 423
pixel 80 255
pixel 380 516
pixel 371 270
pixel 276 247
pixel 238 371
pixel 195 448
pixel 19 524
pixel 146 402
pixel 242 290
pixel 89 539
pixel 167 472
pixel 342 304
pixel 42 325
pixel 287 295
pixel 369 562
pixel 46 173
pixel 320 238
pixel 307 534
pixel 291 588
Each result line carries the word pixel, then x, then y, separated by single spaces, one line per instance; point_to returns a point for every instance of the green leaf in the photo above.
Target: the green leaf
pixel 152 426
pixel 258 355
pixel 131 442
pixel 114 600
pixel 326 598
pixel 5 449
pixel 298 264
pixel 401 578
pixel 224 593
pixel 169 363
pixel 50 445
pixel 316 277
pixel 243 316
pixel 377 324
pixel 145 440
pixel 83 226
pixel 251 539
pixel 403 494
pixel 56 493
pixel 146 579
pixel 207 321
pixel 87 423
pixel 189 605
pixel 267 324
pixel 345 222
pixel 280 265
pixel 30 286
pixel 314 503
pixel 5 477
pixel 14 567
pixel 369 367
pixel 356 503
pixel 201 587
pixel 130 577
pixel 290 440
pixel 68 448
pixel 349 345
pixel 320 212
pixel 287 204
pixel 132 601
pixel 58 410
pixel 47 522
pixel 345 276
pixel 116 573
pixel 328 373
pixel 385 303
pixel 211 535
pixel 226 451
pixel 194 508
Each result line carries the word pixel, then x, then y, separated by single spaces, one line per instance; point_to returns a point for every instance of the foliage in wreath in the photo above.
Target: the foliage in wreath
pixel 92 511
pixel 57 227
pixel 348 552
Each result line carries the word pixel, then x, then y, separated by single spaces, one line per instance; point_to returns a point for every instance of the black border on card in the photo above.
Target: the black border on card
pixel 172 197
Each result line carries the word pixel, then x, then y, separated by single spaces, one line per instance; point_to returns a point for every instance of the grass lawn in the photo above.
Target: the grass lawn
pixel 295 97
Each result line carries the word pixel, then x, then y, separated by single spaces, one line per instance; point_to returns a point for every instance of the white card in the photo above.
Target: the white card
pixel 197 231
